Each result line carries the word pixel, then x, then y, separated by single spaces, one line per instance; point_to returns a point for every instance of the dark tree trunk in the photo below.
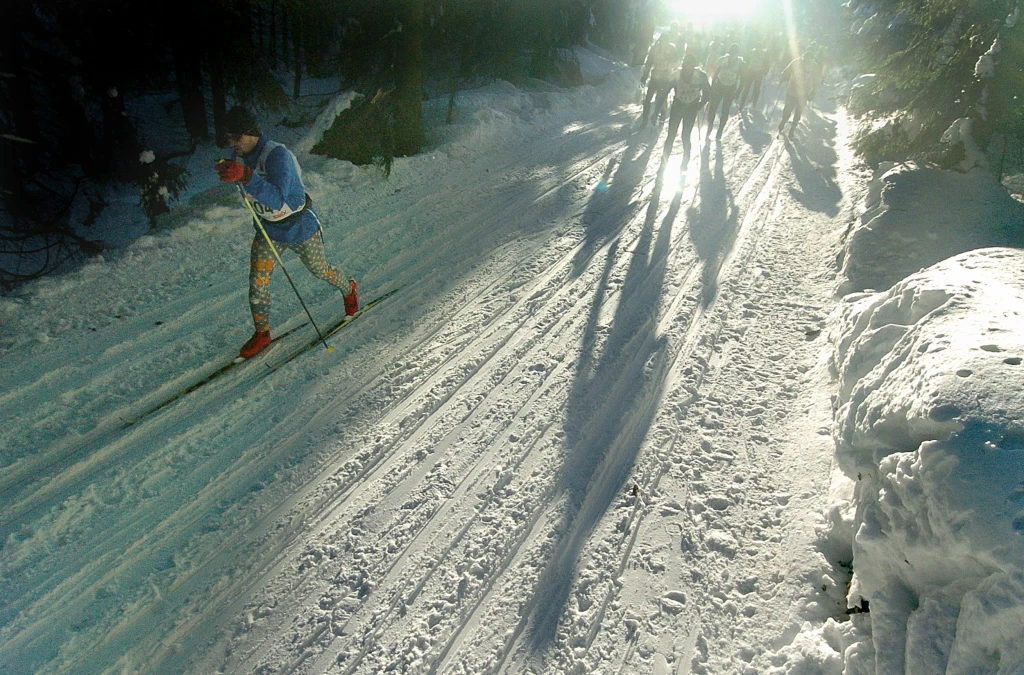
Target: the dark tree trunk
pixel 272 25
pixel 120 143
pixel 245 14
pixel 259 26
pixel 297 51
pixel 218 91
pixel 189 78
pixel 18 98
pixel 285 34
pixel 409 91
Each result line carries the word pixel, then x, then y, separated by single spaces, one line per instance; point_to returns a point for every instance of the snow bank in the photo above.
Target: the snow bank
pixel 915 216
pixel 500 115
pixel 930 423
pixel 596 64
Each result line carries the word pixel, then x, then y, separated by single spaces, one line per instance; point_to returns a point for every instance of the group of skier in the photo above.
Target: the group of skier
pixel 700 74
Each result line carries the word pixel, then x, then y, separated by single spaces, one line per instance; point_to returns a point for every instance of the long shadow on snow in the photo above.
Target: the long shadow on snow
pixel 752 125
pixel 813 156
pixel 713 223
pixel 611 406
pixel 611 208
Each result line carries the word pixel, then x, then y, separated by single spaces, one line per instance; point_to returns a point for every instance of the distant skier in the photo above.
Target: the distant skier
pixel 801 73
pixel 273 186
pixel 658 69
pixel 691 90
pixel 758 63
pixel 724 84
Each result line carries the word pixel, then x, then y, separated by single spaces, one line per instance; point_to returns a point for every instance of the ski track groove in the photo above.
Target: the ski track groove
pixel 746 239
pixel 38 467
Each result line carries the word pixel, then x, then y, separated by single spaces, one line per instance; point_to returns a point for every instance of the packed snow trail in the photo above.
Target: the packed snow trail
pixel 585 436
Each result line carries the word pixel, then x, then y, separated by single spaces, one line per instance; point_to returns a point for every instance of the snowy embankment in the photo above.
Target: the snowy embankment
pixel 929 429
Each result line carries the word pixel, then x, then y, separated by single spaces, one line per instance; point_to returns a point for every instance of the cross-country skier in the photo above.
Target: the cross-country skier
pixel 801 73
pixel 692 89
pixel 658 69
pixel 758 63
pixel 273 187
pixel 724 84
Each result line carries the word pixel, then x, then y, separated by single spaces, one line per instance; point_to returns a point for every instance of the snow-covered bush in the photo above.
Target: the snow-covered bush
pixel 929 422
pixel 159 181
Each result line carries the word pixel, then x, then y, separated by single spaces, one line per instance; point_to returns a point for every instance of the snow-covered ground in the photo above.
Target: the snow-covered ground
pixel 592 431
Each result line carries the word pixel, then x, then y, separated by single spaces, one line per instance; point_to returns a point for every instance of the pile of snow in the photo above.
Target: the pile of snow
pixel 917 216
pixel 817 650
pixel 596 64
pixel 1015 184
pixel 324 121
pixel 930 426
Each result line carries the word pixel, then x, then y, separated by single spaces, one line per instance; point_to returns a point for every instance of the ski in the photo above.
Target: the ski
pixel 227 367
pixel 332 330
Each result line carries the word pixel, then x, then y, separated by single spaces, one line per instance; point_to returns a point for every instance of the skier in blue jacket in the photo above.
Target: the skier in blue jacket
pixel 272 181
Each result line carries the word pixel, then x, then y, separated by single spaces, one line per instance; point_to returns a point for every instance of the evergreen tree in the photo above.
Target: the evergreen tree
pixel 948 75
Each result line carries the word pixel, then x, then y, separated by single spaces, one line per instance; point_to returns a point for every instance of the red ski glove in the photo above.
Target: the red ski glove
pixel 230 171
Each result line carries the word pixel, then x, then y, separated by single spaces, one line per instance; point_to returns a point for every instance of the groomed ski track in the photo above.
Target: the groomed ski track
pixel 568 448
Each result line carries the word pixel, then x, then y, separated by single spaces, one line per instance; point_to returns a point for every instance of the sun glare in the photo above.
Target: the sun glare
pixel 702 12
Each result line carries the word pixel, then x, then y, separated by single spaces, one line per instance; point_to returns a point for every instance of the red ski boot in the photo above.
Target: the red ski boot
pixel 352 299
pixel 256 344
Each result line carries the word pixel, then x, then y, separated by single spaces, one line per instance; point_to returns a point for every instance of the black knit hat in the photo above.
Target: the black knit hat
pixel 240 121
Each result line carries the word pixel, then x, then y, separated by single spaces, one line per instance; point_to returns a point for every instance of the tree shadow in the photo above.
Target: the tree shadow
pixel 713 223
pixel 612 403
pixel 813 156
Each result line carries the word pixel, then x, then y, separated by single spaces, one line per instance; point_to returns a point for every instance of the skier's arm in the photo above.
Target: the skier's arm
pixel 281 192
pixel 647 66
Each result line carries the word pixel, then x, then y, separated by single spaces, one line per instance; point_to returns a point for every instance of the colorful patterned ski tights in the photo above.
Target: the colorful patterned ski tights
pixel 261 266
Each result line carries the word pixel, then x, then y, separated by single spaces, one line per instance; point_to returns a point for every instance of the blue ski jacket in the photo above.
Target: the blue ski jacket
pixel 277 194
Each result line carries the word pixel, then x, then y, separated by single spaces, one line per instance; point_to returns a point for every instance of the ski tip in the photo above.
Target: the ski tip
pixel 330 348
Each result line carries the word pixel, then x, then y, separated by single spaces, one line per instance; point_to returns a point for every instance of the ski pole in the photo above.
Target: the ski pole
pixel 700 121
pixel 774 108
pixel 277 256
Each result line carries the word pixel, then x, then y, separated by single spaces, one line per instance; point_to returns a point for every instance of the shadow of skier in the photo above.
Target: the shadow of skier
pixel 813 157
pixel 619 381
pixel 713 223
pixel 612 206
